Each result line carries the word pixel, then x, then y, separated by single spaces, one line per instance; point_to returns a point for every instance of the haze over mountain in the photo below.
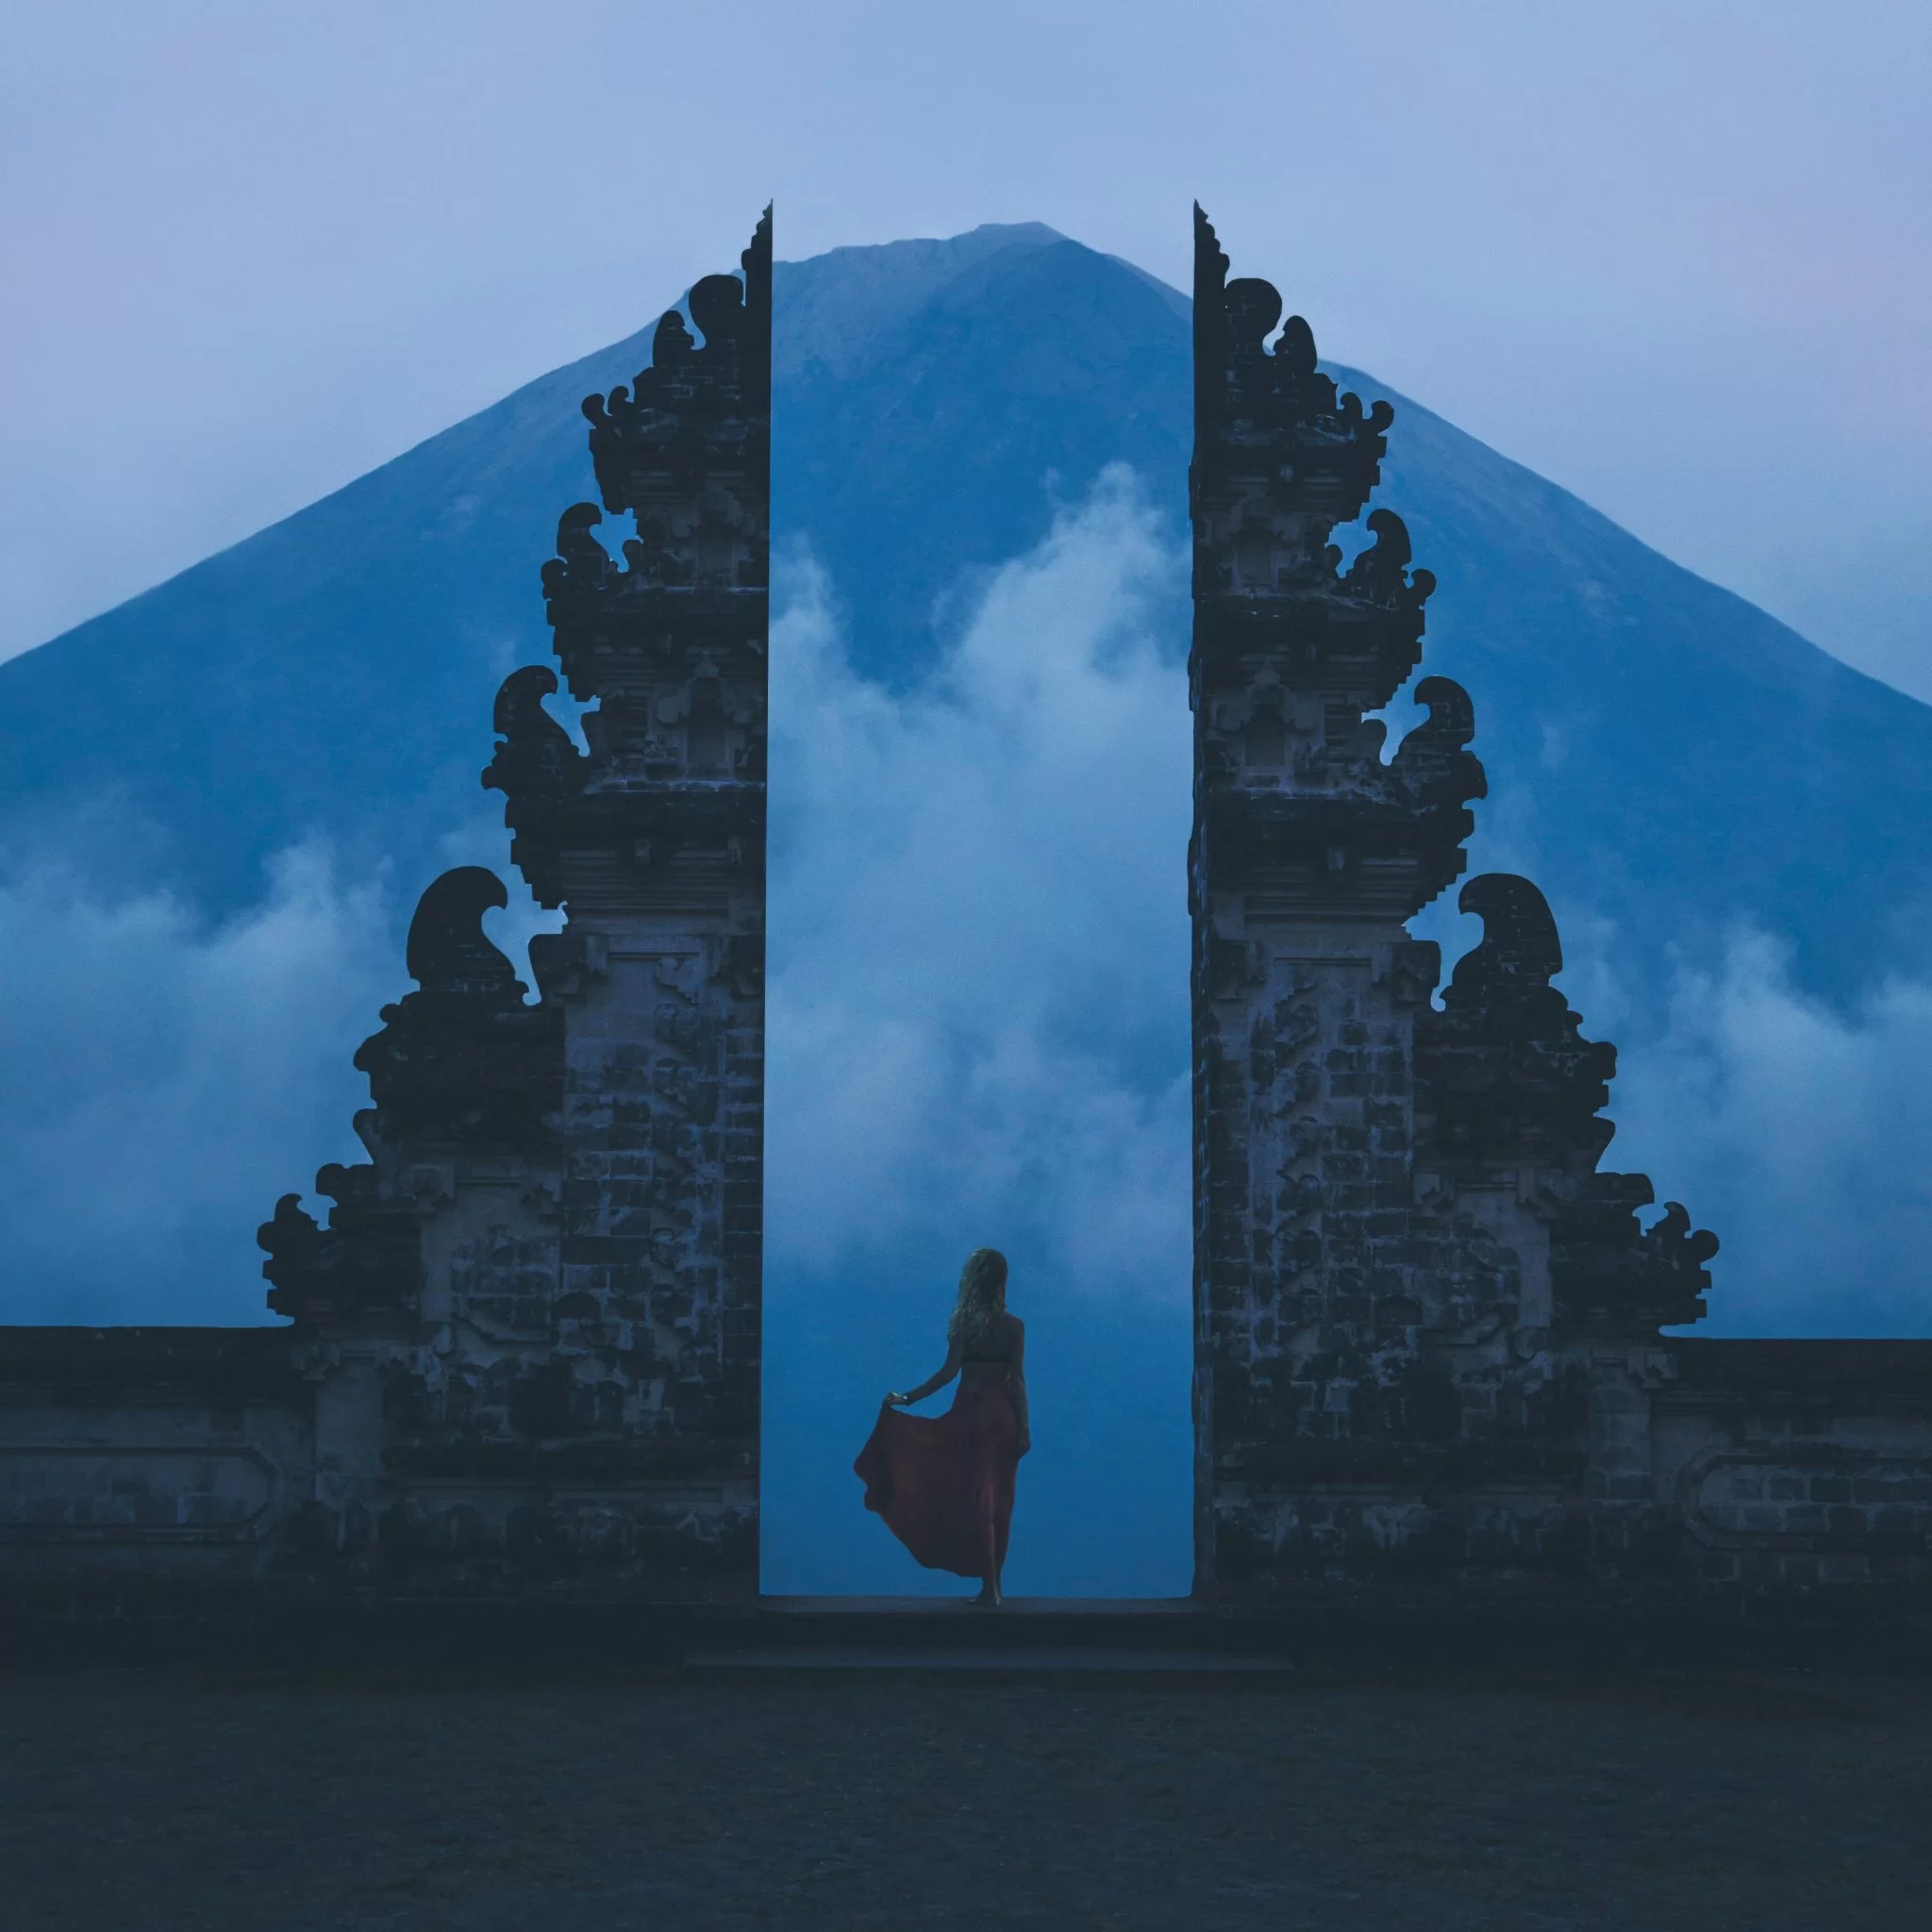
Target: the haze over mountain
pixel 220 799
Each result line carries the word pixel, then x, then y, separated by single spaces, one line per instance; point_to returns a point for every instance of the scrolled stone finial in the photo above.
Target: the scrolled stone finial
pixel 448 950
pixel 1296 351
pixel 537 762
pixel 1434 760
pixel 574 542
pixel 1381 567
pixel 520 699
pixel 1679 1249
pixel 1520 953
pixel 1254 307
pixel 290 1236
pixel 717 307
pixel 671 344
pixel 1450 723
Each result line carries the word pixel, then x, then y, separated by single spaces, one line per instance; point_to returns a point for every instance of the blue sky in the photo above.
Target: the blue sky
pixel 1678 257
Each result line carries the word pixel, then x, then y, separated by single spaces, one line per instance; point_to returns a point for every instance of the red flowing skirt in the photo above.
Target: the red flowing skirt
pixel 944 1484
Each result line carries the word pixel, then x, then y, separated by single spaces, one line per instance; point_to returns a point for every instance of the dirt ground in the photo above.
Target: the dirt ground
pixel 146 1800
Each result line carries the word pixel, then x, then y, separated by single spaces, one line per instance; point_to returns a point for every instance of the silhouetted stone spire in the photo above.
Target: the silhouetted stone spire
pixel 552 1260
pixel 1399 1224
pixel 1297 797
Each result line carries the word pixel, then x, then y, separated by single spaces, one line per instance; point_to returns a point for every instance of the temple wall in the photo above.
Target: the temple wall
pixel 136 1456
pixel 1799 1468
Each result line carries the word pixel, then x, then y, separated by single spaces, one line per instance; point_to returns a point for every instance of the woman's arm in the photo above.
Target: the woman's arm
pixel 1016 1382
pixel 931 1382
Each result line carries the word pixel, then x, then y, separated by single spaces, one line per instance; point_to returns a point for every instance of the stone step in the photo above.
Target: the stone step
pixel 1049 1659
pixel 957 1624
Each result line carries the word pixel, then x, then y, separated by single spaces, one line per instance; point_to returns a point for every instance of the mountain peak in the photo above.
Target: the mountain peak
pixel 834 308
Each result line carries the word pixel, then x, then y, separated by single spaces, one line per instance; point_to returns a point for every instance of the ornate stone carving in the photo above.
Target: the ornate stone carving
pixel 1399 1223
pixel 1290 652
pixel 1505 1072
pixel 1507 1082
pixel 461 1065
pixel 538 771
pixel 659 854
pixel 464 1061
pixel 364 1269
pixel 553 1257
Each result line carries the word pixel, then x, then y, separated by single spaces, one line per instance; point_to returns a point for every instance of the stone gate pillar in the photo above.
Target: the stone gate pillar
pixel 533 1319
pixel 1308 854
pixel 655 845
pixel 1427 1326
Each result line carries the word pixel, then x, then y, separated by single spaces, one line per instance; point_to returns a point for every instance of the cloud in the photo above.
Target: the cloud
pixel 1797 1133
pixel 979 1009
pixel 161 1084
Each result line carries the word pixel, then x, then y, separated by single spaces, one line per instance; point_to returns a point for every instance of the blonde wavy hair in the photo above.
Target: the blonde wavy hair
pixel 977 1307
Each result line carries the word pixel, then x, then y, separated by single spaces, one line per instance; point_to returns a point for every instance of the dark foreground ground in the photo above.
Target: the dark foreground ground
pixel 149 1801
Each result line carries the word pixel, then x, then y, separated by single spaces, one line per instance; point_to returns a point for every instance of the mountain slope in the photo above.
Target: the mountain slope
pixel 1665 757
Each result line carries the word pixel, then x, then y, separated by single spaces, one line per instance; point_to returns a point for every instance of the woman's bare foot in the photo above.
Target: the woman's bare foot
pixel 989 1597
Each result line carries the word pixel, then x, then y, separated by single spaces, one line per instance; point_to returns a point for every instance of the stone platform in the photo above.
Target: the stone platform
pixel 1434 1631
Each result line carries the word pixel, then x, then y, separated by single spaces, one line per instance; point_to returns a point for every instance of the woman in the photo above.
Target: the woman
pixel 944 1484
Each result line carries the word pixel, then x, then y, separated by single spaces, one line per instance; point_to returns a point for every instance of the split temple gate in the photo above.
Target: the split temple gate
pixel 523 1357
